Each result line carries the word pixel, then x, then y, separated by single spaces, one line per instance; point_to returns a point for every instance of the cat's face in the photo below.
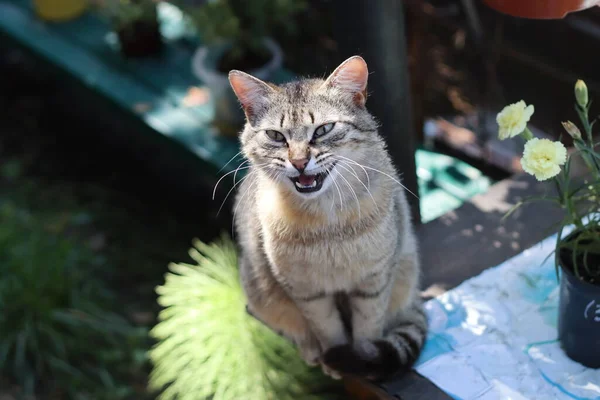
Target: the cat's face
pixel 306 135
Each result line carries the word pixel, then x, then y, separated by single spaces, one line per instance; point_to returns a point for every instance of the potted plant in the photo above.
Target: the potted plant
pixel 59 10
pixel 136 25
pixel 540 9
pixel 236 34
pixel 577 255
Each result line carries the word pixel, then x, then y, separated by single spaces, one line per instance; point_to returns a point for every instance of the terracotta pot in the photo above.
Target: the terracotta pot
pixel 540 9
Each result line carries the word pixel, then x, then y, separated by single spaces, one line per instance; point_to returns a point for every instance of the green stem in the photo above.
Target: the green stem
pixel 527 134
pixel 585 120
pixel 590 161
pixel 574 215
pixel 592 164
pixel 561 194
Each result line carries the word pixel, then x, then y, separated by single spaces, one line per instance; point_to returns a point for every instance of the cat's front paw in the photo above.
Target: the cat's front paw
pixel 310 349
pixel 332 373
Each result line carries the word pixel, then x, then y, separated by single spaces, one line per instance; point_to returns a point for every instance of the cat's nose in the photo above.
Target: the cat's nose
pixel 300 164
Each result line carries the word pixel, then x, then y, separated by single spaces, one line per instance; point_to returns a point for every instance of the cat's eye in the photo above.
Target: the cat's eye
pixel 275 135
pixel 323 130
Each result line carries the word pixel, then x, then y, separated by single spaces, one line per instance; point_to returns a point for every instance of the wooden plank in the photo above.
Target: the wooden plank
pixel 465 242
pixel 414 386
pixel 411 386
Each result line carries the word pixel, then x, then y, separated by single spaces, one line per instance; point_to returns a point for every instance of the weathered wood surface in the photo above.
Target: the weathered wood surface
pixel 474 237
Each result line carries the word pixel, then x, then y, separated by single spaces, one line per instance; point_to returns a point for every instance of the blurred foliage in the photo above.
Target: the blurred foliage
pixel 243 24
pixel 58 331
pixel 315 51
pixel 124 12
pixel 116 227
pixel 210 348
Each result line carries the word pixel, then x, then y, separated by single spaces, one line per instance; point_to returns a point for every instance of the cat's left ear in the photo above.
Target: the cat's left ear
pixel 251 92
pixel 351 76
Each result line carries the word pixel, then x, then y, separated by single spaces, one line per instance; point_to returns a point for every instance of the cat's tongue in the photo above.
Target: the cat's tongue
pixel 306 180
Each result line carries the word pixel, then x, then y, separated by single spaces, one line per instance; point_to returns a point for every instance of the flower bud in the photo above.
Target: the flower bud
pixel 572 129
pixel 581 93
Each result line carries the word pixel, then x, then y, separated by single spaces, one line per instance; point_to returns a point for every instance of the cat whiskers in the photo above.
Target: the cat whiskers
pixel 258 167
pixel 252 185
pixel 329 173
pixel 229 173
pixel 352 190
pixel 381 172
pixel 230 160
pixel 231 190
pixel 342 164
pixel 363 168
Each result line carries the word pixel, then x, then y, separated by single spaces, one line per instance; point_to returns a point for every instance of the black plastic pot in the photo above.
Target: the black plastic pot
pixel 578 316
pixel 140 39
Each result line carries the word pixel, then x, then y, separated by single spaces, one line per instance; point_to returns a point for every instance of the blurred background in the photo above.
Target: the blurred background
pixel 116 121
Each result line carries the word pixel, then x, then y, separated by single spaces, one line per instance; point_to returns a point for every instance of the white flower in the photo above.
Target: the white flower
pixel 513 119
pixel 543 158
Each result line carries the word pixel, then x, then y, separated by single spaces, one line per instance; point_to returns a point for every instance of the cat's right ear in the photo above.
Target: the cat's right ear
pixel 351 77
pixel 252 93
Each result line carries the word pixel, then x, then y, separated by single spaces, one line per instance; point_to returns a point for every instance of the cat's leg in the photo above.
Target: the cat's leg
pixel 269 303
pixel 369 304
pixel 389 327
pixel 322 312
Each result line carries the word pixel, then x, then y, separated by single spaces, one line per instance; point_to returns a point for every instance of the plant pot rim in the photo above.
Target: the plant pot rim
pixel 126 28
pixel 211 73
pixel 570 275
pixel 531 8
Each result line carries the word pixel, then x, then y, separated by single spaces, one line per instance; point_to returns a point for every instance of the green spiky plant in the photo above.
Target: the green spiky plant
pixel 58 334
pixel 210 348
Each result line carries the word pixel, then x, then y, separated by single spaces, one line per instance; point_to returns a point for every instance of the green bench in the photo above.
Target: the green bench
pixel 151 89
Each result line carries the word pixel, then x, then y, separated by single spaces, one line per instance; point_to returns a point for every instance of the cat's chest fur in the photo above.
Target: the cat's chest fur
pixel 316 253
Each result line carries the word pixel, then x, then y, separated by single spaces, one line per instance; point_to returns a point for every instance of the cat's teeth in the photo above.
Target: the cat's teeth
pixel 301 186
pixel 312 185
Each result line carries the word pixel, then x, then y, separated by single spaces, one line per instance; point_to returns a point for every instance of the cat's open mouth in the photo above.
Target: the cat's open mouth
pixel 309 183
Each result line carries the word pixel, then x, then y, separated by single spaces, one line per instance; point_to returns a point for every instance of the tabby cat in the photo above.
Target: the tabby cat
pixel 328 254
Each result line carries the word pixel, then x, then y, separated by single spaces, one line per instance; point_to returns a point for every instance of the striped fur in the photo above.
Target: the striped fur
pixel 336 270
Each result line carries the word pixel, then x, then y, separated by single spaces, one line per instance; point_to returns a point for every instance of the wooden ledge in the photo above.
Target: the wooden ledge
pixel 474 237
